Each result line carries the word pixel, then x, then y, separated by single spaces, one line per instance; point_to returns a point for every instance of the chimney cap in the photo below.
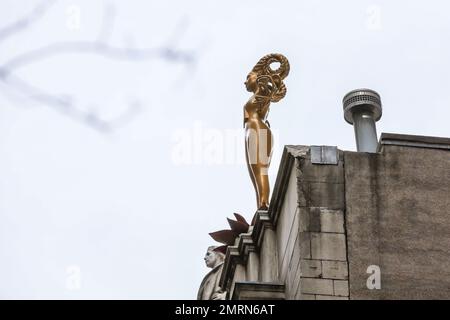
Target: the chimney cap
pixel 362 100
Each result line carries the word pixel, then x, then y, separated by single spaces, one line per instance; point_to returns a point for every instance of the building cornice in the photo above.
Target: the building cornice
pixel 258 291
pixel 290 153
pixel 248 242
pixel 405 140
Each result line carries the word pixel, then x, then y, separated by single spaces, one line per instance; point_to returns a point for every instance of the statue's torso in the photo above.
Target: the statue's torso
pixel 256 109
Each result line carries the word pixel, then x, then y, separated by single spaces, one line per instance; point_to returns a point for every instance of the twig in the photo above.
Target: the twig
pixel 65 104
pixel 26 21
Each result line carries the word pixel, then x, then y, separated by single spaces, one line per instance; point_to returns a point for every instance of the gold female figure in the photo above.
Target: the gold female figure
pixel 267 86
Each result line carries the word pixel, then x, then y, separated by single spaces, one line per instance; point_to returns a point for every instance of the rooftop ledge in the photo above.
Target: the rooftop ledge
pixel 406 140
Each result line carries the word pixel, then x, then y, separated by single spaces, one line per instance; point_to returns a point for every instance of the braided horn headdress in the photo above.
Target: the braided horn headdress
pixel 263 65
pixel 265 73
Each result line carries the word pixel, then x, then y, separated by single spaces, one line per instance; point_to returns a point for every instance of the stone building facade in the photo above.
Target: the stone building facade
pixel 350 225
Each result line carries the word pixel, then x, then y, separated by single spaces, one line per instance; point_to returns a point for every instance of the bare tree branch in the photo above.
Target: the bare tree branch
pixel 64 103
pixel 97 48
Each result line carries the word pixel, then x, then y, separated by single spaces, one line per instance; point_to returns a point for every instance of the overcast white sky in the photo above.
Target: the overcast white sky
pixel 87 212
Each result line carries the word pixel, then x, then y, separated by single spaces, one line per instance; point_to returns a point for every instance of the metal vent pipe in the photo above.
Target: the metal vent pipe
pixel 362 108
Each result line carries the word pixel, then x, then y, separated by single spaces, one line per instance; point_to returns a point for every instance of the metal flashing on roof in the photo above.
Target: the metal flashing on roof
pixel 394 139
pixel 324 155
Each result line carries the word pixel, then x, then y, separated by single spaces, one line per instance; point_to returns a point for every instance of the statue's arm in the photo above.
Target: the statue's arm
pixel 246 116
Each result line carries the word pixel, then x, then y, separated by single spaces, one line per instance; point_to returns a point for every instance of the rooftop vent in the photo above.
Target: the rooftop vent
pixel 362 108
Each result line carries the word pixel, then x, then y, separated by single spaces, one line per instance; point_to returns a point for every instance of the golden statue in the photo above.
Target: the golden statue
pixel 267 86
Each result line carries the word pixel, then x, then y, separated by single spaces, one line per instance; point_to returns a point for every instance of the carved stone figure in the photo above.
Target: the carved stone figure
pixel 209 288
pixel 267 86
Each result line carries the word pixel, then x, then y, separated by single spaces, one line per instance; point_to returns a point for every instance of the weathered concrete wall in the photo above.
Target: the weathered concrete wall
pixel 322 270
pixel 398 218
pixel 329 221
pixel 287 227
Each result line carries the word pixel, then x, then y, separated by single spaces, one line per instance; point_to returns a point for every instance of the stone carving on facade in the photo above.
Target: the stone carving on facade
pixel 209 288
